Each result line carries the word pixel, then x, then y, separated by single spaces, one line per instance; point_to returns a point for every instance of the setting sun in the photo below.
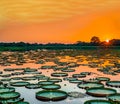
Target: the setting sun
pixel 107 40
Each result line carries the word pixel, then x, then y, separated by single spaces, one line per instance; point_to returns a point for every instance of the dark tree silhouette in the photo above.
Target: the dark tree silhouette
pixel 95 40
pixel 115 42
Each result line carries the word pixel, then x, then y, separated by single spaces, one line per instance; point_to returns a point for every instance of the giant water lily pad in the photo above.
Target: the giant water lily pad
pixel 53 95
pixel 6 89
pixel 113 83
pixel 16 78
pixel 13 100
pixel 29 78
pixel 59 74
pixel 85 73
pixel 75 81
pixel 9 69
pixel 114 97
pixel 19 83
pixel 45 82
pixel 55 80
pixel 68 70
pixel 78 76
pixel 103 78
pixel 100 92
pixel 51 87
pixel 33 86
pixel 98 102
pixel 9 95
pixel 6 79
pixel 90 85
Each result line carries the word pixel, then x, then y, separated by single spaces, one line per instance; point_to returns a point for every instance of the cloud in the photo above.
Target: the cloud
pixel 50 10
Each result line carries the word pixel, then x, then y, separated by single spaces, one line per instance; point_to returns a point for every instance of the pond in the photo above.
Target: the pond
pixel 69 71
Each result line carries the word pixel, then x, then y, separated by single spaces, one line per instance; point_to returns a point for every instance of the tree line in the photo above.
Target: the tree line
pixel 93 44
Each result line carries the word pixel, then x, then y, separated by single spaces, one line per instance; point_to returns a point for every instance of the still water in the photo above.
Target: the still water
pixel 84 62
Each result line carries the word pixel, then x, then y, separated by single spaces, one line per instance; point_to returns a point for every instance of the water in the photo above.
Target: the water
pixel 83 59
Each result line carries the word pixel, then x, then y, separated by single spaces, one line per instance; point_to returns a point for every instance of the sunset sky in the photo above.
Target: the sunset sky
pixel 65 21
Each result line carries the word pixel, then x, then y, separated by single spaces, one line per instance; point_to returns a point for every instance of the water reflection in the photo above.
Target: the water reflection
pixel 56 61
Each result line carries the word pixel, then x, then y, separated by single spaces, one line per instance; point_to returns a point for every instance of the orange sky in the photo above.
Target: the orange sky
pixel 65 21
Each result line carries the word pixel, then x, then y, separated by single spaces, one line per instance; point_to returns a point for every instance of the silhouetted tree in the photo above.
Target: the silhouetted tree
pixel 115 42
pixel 95 40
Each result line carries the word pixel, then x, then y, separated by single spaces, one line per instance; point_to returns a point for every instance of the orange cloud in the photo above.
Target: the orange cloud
pixel 65 21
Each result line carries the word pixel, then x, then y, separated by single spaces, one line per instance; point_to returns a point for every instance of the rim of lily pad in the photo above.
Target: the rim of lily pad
pixel 21 102
pixel 96 101
pixel 12 101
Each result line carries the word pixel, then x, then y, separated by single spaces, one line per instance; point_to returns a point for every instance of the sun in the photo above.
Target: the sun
pixel 107 40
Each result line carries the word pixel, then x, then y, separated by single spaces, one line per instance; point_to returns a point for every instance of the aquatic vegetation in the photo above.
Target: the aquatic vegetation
pixel 76 81
pixel 103 79
pixel 50 71
pixel 98 101
pixel 33 86
pixel 114 97
pixel 46 82
pixel 19 83
pixel 51 95
pixel 90 85
pixel 100 92
pixel 78 76
pixel 13 100
pixel 113 83
pixel 55 80
pixel 9 95
pixel 6 89
pixel 59 74
pixel 51 87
